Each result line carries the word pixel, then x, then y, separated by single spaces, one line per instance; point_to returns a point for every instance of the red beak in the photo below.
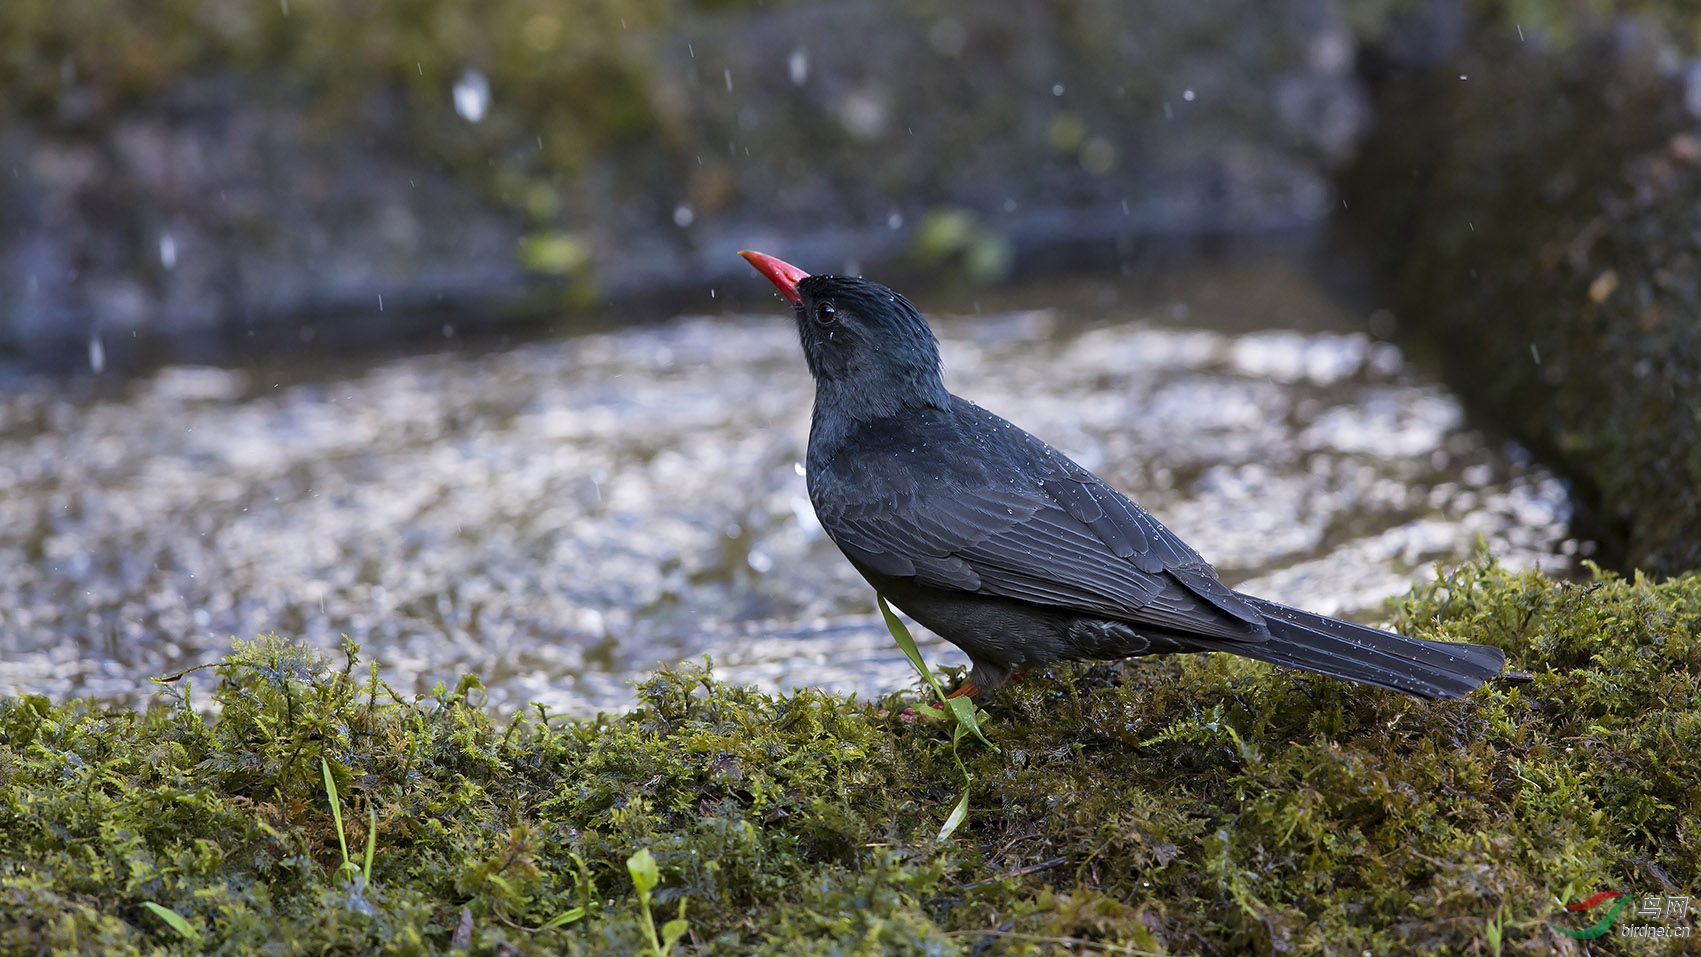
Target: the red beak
pixel 782 274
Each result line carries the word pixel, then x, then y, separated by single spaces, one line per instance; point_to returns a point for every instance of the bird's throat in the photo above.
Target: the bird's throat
pixel 841 408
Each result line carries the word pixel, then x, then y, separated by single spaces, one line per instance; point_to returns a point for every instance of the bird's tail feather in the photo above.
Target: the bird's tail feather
pixel 1329 646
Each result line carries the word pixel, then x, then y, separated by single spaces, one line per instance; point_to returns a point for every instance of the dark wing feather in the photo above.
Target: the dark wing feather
pixel 960 499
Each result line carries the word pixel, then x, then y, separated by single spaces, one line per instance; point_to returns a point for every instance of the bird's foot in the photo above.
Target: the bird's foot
pixel 968 689
pixel 965 690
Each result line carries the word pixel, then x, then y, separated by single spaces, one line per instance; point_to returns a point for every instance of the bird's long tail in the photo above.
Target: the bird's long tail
pixel 1329 646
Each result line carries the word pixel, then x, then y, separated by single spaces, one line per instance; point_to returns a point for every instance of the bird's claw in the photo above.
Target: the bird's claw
pixel 965 690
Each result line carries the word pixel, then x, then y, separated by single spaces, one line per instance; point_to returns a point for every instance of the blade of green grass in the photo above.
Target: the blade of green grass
pixel 173 919
pixel 564 918
pixel 349 868
pixel 371 842
pixel 955 820
pixel 962 710
pixel 336 805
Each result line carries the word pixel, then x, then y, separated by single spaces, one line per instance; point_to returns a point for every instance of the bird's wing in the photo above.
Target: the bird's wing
pixel 962 500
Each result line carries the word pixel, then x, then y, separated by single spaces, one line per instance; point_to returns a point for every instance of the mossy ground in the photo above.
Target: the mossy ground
pixel 1197 805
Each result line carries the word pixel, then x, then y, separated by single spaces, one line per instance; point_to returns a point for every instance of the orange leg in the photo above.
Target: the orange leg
pixel 966 689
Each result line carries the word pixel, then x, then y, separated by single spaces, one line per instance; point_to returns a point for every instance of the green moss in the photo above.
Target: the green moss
pixel 1206 804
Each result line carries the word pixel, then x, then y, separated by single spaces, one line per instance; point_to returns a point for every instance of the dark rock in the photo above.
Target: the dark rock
pixel 216 224
pixel 1540 223
pixel 255 203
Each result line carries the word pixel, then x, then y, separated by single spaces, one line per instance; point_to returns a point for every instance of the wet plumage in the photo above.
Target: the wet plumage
pixel 1015 553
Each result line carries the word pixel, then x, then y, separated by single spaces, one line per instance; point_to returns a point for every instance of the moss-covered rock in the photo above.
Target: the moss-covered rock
pixel 1198 805
pixel 1535 206
pixel 208 178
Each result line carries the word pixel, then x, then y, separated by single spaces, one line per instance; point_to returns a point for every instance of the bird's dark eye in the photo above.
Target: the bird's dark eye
pixel 825 314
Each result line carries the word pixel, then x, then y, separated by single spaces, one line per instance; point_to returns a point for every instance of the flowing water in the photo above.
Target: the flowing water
pixel 561 516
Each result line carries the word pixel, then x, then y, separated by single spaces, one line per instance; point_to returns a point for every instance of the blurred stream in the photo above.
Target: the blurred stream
pixel 560 516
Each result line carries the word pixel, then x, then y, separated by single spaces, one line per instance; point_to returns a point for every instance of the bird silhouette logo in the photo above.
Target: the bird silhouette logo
pixel 1600 927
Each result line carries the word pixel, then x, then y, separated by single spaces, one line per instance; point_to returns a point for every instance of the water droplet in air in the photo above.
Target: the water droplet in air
pixel 683 215
pixel 798 66
pixel 472 95
pixel 167 251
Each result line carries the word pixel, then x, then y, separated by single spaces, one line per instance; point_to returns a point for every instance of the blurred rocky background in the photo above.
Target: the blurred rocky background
pixel 1510 191
pixel 196 177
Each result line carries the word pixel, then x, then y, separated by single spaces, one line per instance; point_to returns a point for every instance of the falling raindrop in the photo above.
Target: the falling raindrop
pixel 728 74
pixel 472 95
pixel 895 220
pixel 97 354
pixel 798 66
pixel 167 251
pixel 683 215
pixel 864 114
pixel 1057 89
pixel 1187 95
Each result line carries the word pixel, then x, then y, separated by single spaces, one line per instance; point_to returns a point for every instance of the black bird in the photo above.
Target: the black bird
pixel 1004 547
